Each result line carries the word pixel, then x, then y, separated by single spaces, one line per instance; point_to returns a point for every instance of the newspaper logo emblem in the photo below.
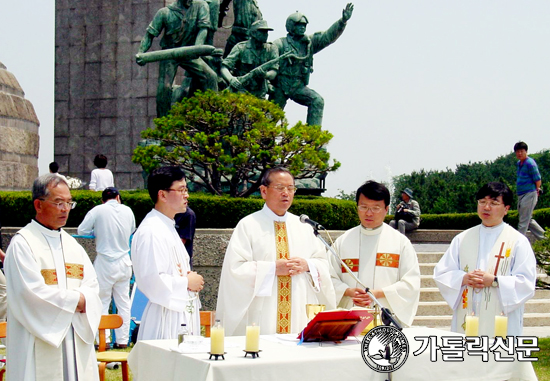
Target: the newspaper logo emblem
pixel 385 349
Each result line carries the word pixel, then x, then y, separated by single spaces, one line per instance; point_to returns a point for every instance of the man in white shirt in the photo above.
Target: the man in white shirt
pixel 489 269
pixel 273 263
pixel 382 258
pixel 112 224
pixel 53 303
pixel 161 263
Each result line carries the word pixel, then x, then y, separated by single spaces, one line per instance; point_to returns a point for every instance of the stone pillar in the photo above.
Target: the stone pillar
pixel 18 135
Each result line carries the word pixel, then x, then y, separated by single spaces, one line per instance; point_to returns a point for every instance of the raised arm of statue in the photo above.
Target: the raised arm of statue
pixel 347 12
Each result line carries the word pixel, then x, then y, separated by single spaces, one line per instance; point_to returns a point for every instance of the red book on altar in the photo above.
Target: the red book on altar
pixel 336 325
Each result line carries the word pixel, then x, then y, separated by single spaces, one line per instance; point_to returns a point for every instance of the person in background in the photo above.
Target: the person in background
pixel 101 177
pixel 407 213
pixel 185 226
pixel 54 168
pixel 112 224
pixel 528 189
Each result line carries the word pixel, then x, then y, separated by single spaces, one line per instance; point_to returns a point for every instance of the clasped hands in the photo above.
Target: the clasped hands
pixel 195 282
pixel 292 266
pixel 478 279
pixel 360 297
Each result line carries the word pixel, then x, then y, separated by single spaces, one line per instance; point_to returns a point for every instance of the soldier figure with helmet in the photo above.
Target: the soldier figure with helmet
pixel 293 76
pixel 248 55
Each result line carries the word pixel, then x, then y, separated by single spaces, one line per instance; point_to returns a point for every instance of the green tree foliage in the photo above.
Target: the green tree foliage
pixel 450 191
pixel 226 141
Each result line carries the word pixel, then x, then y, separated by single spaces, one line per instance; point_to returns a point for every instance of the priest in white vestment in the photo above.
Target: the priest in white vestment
pixel 490 269
pixel 381 257
pixel 161 263
pixel 273 264
pixel 53 303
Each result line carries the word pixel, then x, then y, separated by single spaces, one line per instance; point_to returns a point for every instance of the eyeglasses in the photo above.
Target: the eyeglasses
pixel 62 204
pixel 492 203
pixel 282 188
pixel 373 209
pixel 182 190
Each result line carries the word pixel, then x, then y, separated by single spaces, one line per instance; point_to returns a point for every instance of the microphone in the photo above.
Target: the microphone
pixel 305 219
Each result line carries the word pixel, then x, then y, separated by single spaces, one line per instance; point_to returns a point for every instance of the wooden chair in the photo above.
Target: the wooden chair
pixel 3 326
pixel 110 322
pixel 206 321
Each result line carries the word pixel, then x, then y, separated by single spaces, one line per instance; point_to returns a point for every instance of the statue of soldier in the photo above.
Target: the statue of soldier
pixel 248 55
pixel 245 13
pixel 293 76
pixel 185 23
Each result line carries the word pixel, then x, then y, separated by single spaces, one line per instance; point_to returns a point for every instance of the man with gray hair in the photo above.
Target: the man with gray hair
pixel 53 303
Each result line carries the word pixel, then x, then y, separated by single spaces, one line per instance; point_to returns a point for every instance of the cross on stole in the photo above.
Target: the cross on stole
pixel 499 256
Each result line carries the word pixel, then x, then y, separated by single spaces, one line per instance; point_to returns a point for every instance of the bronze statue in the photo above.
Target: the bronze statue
pixel 244 68
pixel 185 23
pixel 293 75
pixel 246 12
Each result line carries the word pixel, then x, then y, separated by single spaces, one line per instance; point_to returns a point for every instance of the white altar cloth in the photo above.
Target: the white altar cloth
pixel 281 358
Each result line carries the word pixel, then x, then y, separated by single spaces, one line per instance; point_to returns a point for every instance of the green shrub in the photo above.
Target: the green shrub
pixel 217 212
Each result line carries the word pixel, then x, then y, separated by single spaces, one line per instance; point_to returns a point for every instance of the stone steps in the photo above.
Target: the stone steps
pixel 441 308
pixel 432 294
pixel 433 311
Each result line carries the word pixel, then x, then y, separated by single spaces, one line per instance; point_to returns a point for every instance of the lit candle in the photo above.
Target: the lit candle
pixel 216 340
pixel 252 338
pixel 501 326
pixel 472 325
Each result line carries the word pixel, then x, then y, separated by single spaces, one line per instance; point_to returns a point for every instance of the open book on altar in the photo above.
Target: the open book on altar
pixel 336 325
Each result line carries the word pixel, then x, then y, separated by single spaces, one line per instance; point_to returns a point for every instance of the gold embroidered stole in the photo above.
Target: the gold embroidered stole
pixel 74 268
pixel 284 283
pixel 498 263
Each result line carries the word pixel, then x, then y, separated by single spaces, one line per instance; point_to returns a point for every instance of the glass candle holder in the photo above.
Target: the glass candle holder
pixel 217 337
pixel 253 331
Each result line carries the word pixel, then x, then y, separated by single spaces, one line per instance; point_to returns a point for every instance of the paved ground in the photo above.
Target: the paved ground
pixel 431 247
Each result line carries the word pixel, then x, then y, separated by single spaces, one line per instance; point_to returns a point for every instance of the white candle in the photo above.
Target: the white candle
pixel 252 338
pixel 472 326
pixel 216 340
pixel 501 326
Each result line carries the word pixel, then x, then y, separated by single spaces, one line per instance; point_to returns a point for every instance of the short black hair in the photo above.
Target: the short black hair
pixel 54 167
pixel 520 145
pixel 495 189
pixel 162 179
pixel 373 191
pixel 266 177
pixel 100 161
pixel 109 194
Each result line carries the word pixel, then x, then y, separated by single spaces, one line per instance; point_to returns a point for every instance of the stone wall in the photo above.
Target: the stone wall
pixel 103 99
pixel 18 134
pixel 209 250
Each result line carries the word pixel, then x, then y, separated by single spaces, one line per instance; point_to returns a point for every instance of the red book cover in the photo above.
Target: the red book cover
pixel 336 325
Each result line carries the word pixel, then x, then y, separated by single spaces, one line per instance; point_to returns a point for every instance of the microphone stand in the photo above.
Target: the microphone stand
pixel 387 316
